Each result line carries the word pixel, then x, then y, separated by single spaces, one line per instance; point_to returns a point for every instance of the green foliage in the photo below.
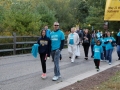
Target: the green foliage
pixel 26 19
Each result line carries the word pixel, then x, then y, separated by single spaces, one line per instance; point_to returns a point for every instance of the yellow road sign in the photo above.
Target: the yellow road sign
pixel 112 10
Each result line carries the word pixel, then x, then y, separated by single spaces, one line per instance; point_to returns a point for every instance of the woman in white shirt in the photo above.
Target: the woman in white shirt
pixel 72 41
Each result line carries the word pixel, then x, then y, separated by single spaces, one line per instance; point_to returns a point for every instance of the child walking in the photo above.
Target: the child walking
pixel 44 51
pixel 97 54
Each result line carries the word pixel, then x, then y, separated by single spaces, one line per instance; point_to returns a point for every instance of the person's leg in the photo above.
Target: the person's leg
pixel 74 47
pixel 102 56
pixel 70 52
pixel 95 62
pixel 118 51
pixel 104 52
pixel 56 63
pixel 84 50
pixel 60 56
pixel 98 64
pixel 87 50
pixel 43 63
pixel 107 54
pixel 92 51
pixel 110 55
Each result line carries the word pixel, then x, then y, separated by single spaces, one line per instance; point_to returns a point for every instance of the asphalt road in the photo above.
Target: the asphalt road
pixel 23 72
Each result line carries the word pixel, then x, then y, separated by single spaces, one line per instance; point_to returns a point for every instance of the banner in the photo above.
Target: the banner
pixel 112 10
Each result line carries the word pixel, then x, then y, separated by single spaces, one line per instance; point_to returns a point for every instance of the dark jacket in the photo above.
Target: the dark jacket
pixel 88 41
pixel 44 45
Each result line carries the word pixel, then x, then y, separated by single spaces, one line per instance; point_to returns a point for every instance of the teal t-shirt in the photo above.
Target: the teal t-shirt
pixel 118 34
pixel 56 37
pixel 102 41
pixel 98 35
pixel 48 33
pixel 97 51
pixel 71 39
pixel 109 45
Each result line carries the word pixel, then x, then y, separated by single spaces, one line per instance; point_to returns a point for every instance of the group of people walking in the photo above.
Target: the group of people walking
pixel 102 45
pixel 52 43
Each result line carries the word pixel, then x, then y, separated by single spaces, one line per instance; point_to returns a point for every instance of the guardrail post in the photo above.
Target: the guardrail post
pixel 14 43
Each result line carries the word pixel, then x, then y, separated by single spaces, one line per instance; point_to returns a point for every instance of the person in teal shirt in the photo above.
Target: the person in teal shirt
pixel 47 31
pixel 97 54
pixel 57 38
pixel 103 57
pixel 108 46
pixel 93 41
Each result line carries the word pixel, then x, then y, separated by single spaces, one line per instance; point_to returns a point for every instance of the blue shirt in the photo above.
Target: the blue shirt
pixel 56 37
pixel 118 34
pixel 109 45
pixel 102 41
pixel 71 39
pixel 98 35
pixel 97 51
pixel 48 33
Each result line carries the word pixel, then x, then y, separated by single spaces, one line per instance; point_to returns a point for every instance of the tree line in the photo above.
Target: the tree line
pixel 27 17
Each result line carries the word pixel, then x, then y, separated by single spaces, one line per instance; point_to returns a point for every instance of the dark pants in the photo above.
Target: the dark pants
pixel 43 62
pixel 104 51
pixel 86 49
pixel 97 63
pixel 92 46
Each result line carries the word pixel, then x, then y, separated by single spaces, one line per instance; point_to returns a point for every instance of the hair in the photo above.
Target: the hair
pixel 110 34
pixel 42 31
pixel 97 42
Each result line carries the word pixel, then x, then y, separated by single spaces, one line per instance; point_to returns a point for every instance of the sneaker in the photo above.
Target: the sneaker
pixel 101 60
pixel 110 63
pixel 55 78
pixel 43 75
pixel 98 70
pixel 92 57
pixel 86 58
pixel 60 57
pixel 76 57
pixel 72 60
pixel 118 58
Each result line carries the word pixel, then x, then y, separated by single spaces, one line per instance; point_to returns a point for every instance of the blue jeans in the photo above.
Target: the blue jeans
pixel 92 46
pixel 109 55
pixel 118 50
pixel 56 56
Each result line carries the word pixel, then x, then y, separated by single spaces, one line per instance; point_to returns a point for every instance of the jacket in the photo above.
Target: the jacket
pixel 35 50
pixel 44 45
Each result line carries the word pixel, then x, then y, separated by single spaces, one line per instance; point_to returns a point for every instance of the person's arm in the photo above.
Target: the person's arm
pixel 62 40
pixel 49 48
pixel 62 44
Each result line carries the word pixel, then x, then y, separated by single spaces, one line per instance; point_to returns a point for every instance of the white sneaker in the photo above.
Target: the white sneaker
pixel 55 78
pixel 110 63
pixel 72 60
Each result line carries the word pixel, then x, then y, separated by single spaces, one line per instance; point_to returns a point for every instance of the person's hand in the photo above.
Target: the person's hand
pixel 86 38
pixel 48 58
pixel 110 40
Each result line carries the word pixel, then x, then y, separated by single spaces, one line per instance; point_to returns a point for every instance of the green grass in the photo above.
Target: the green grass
pixel 112 84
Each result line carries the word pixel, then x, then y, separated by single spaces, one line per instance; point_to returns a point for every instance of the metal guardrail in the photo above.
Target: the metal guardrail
pixel 15 43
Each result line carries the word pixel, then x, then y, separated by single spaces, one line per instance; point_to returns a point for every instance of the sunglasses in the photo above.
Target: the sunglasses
pixel 56 25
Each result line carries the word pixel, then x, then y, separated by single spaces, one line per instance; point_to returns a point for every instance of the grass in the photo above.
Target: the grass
pixel 112 84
